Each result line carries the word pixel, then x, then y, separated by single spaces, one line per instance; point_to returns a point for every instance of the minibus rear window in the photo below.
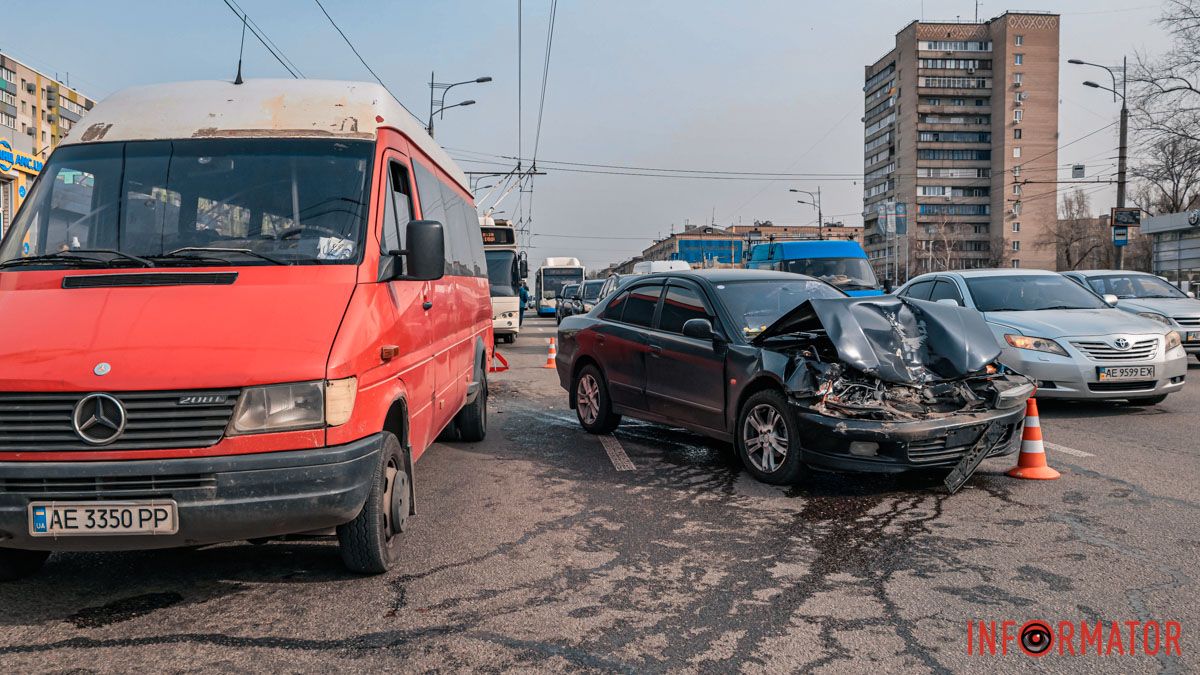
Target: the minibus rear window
pixel 265 201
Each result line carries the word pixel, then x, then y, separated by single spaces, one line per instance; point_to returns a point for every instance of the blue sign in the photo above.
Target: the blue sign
pixel 6 156
pixel 21 191
pixel 1120 235
pixel 9 159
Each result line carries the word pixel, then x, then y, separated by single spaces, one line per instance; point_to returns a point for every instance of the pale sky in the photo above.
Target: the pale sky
pixel 747 86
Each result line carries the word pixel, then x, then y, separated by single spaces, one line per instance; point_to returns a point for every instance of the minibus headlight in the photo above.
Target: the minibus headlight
pixel 279 407
pixel 339 400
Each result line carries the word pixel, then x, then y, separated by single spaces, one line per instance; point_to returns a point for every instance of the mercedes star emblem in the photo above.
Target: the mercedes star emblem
pixel 99 419
pixel 102 368
pixel 1121 343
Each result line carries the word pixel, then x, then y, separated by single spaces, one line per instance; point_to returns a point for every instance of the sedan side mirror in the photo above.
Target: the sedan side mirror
pixel 701 329
pixel 425 254
pixel 1191 294
pixel 1111 299
pixel 948 301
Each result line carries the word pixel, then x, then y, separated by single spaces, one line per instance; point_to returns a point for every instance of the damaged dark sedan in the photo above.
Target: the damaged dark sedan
pixel 795 373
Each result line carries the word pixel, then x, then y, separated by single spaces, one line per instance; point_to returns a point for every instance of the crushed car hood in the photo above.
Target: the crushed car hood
pixel 897 340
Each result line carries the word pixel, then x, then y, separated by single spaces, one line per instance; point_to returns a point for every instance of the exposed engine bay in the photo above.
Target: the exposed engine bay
pixel 892 359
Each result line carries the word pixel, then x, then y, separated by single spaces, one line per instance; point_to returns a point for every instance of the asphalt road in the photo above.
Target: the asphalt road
pixel 532 551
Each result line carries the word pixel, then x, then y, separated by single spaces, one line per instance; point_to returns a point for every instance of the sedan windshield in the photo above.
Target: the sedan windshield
pixel 1134 286
pixel 848 273
pixel 591 290
pixel 195 202
pixel 1027 293
pixel 754 305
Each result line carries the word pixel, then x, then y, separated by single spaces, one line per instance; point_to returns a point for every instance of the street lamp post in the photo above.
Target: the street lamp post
pixel 1124 142
pixel 445 87
pixel 820 216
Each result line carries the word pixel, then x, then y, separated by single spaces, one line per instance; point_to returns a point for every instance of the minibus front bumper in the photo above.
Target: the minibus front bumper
pixel 219 499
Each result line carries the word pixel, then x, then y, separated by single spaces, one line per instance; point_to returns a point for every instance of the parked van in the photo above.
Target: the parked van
pixel 841 263
pixel 236 311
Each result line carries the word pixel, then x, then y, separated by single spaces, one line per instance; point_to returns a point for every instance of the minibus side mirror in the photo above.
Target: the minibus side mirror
pixel 522 266
pixel 425 254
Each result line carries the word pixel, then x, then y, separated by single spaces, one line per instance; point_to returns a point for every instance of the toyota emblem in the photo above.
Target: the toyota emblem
pixel 99 419
pixel 1121 343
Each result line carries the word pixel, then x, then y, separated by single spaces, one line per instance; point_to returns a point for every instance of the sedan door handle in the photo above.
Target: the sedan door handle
pixel 426 305
pixel 655 350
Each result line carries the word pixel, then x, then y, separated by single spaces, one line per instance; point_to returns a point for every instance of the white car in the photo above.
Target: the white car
pixel 1065 336
pixel 1149 296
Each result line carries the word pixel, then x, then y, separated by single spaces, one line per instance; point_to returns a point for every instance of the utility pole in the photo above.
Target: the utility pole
pixel 1122 151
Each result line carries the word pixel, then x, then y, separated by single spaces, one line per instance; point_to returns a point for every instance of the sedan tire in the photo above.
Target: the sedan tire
pixel 592 404
pixel 768 439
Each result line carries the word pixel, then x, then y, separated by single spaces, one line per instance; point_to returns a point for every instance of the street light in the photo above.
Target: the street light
pixel 1124 144
pixel 445 87
pixel 820 217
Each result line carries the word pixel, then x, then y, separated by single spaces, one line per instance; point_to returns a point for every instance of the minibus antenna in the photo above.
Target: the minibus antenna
pixel 241 50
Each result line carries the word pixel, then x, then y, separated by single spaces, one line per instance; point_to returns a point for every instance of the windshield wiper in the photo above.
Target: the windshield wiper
pixel 116 255
pixel 50 259
pixel 204 249
pixel 1066 307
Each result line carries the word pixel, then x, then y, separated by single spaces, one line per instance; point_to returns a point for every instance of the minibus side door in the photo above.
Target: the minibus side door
pixel 411 330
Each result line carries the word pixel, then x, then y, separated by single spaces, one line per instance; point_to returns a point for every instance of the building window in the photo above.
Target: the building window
pixel 981 229
pixel 1017 79
pixel 9 75
pixel 1017 153
pixel 1017 134
pixel 43 136
pixel 1016 245
pixel 1019 40
pixel 955 46
pixel 8 121
pixel 1016 208
pixel 8 97
pixel 981 102
pixel 1016 189
pixel 1016 262
pixel 1016 226
pixel 1016 171
pixel 1018 59
pixel 1017 115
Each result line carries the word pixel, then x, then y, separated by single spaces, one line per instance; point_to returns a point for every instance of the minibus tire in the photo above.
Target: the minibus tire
pixel 18 564
pixel 367 544
pixel 472 419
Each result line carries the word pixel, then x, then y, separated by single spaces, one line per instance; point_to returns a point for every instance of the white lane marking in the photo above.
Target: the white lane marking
pixel 616 453
pixel 1062 448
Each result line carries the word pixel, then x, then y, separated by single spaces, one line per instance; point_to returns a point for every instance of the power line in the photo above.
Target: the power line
pixel 537 137
pixel 362 60
pixel 266 43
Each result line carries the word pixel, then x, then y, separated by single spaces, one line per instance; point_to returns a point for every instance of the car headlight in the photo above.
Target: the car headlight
pixel 1036 344
pixel 1173 340
pixel 290 407
pixel 1155 316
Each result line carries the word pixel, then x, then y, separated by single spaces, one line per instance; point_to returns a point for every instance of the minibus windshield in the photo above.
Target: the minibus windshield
pixel 194 203
pixel 846 273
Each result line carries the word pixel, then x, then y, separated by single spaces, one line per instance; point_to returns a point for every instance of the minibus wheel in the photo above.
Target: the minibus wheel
pixel 17 564
pixel 472 419
pixel 370 544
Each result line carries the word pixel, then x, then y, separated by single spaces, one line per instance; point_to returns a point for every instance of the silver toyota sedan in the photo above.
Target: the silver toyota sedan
pixel 1065 336
pixel 1149 296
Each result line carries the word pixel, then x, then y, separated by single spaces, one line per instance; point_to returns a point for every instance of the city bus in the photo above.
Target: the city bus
pixel 506 268
pixel 841 263
pixel 551 277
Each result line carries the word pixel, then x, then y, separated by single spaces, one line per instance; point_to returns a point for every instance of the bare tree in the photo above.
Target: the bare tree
pixel 999 254
pixel 936 246
pixel 1168 180
pixel 1166 89
pixel 1075 236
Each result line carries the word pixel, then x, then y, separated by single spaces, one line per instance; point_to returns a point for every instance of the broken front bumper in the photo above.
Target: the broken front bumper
pixel 877 446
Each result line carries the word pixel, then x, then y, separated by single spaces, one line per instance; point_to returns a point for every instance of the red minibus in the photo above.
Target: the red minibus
pixel 236 312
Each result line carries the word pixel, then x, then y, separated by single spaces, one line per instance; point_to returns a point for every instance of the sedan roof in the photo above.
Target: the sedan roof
pixel 719 276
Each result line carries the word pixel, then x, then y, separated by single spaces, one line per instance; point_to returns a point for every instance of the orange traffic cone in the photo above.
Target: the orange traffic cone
pixel 551 354
pixel 1032 461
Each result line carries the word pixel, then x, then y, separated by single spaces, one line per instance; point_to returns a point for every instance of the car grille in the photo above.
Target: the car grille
pixel 31 422
pixel 1102 351
pixel 105 486
pixel 933 450
pixel 1191 321
pixel 1122 386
